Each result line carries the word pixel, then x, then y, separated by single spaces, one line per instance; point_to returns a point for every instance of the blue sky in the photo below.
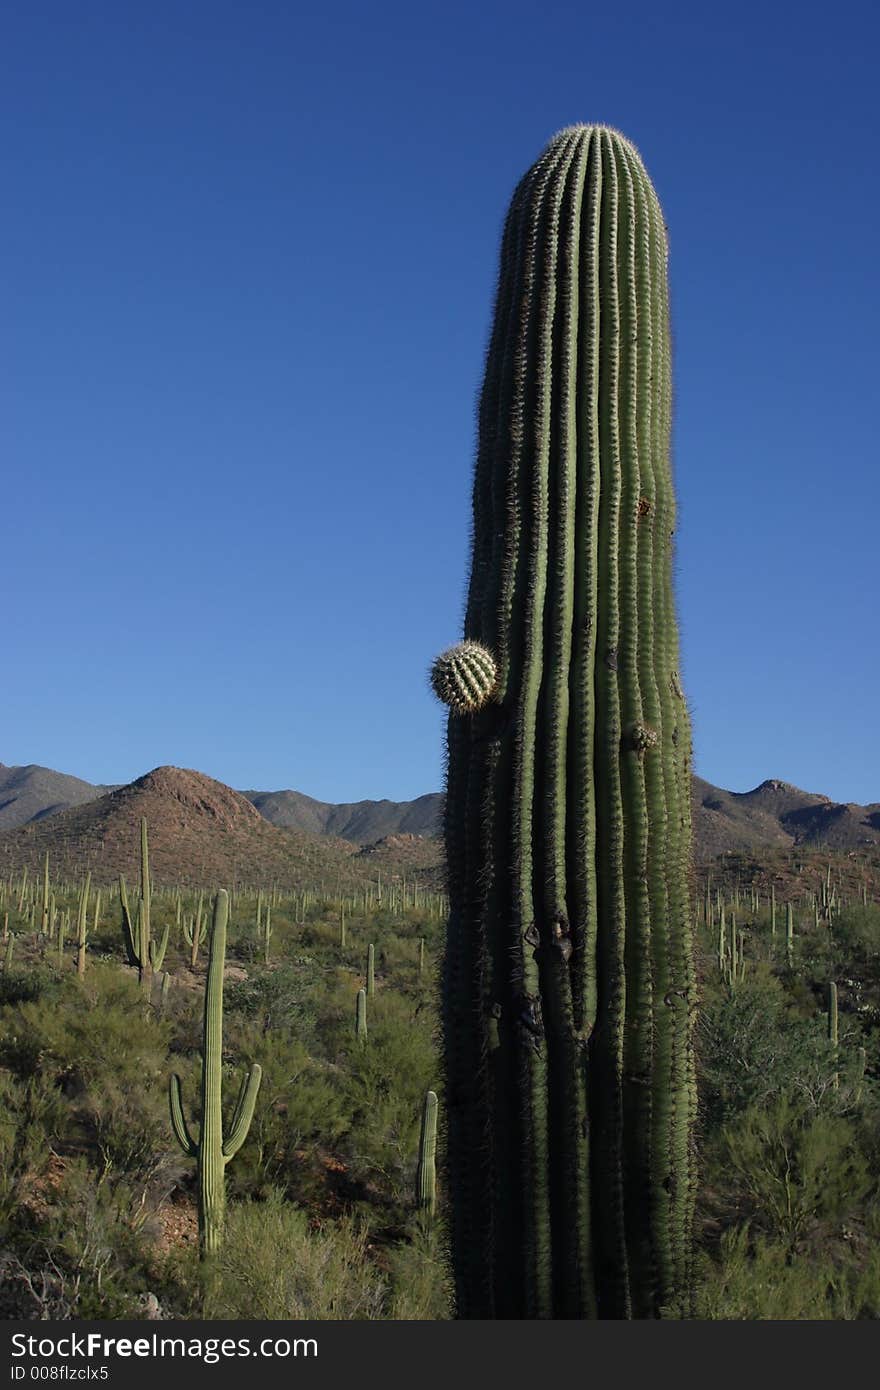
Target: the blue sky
pixel 249 257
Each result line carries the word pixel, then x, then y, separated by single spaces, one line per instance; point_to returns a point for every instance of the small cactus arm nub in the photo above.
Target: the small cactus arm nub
pixel 464 677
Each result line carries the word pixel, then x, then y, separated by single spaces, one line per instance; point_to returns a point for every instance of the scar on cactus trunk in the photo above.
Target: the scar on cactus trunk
pixel 569 987
pixel 212 1152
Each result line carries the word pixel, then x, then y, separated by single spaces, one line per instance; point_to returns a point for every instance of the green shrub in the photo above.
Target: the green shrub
pixel 756 1278
pixel 794 1167
pixel 273 1266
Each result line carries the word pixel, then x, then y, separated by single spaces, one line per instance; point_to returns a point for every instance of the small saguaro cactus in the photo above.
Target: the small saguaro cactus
pixel 860 1073
pixel 212 1152
pixel 371 970
pixel 193 933
pixel 360 1016
pixel 267 933
pixel 832 1025
pixel 82 927
pixel 44 917
pixel 143 953
pixel 426 1172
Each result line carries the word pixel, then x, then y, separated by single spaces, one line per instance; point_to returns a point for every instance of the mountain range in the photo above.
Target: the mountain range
pixel 203 831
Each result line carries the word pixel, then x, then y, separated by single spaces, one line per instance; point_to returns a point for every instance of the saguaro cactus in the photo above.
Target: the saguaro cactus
pixel 143 952
pixel 212 1152
pixel 360 1017
pixel 82 926
pixel 569 987
pixel 426 1173
pixel 193 932
pixel 44 916
pixel 371 970
pixel 832 1025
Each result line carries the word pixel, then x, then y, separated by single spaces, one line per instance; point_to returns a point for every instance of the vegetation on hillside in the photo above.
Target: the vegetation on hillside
pixel 98 1205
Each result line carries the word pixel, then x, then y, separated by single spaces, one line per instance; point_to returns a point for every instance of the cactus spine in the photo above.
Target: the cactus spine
pixel 426 1171
pixel 569 986
pixel 211 1152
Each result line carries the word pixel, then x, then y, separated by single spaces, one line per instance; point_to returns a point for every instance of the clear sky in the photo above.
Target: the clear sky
pixel 249 257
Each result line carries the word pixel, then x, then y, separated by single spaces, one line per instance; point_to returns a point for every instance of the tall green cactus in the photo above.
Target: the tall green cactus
pixel 426 1170
pixel 193 933
pixel 82 927
pixel 832 1026
pixel 267 933
pixel 143 952
pixel 371 970
pixel 44 916
pixel 569 986
pixel 211 1152
pixel 360 1017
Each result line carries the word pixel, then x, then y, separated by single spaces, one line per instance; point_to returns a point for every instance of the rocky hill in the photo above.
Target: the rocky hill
pixel 777 815
pixel 31 792
pixel 772 816
pixel 201 832
pixel 362 822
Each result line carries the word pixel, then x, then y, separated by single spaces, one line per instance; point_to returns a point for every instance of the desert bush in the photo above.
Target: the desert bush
pixel 301 1105
pixel 279 998
pixel 752 1047
pixel 387 1080
pixel 274 1265
pixel 755 1278
pixel 82 1255
pixel 794 1167
pixel 421 1284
